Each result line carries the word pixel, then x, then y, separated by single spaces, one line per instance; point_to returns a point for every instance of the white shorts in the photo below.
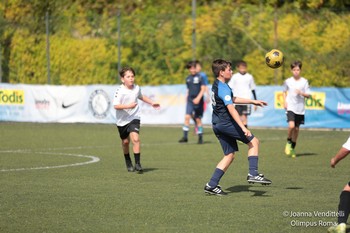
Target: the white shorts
pixel 347 144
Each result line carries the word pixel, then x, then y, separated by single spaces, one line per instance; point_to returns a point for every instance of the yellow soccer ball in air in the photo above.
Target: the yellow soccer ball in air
pixel 274 58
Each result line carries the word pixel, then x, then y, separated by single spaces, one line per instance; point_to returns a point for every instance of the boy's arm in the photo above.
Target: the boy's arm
pixel 125 106
pixel 238 100
pixel 149 101
pixel 118 105
pixel 207 93
pixel 304 94
pixel 342 153
pixel 285 99
pixel 200 95
pixel 233 112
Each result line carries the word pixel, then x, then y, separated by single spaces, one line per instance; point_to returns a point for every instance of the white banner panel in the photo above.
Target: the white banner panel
pixel 90 104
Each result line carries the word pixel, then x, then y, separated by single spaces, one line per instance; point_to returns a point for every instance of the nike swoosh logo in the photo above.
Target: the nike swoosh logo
pixel 67 106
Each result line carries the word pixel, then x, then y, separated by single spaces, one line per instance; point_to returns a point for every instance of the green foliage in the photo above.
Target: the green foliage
pixel 156 39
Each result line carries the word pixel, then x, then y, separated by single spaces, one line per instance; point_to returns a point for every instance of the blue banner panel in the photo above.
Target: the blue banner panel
pixel 326 108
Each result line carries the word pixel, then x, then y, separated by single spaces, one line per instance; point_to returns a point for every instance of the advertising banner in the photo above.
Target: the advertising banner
pixel 327 107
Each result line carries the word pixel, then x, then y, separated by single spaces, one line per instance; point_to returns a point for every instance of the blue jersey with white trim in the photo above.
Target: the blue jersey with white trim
pixel 221 96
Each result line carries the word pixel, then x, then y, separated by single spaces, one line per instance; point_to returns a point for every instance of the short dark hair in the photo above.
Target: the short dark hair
pixel 241 63
pixel 198 62
pixel 295 64
pixel 125 69
pixel 219 65
pixel 191 64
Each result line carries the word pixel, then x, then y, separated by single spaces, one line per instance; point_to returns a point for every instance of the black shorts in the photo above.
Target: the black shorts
pixel 133 126
pixel 243 109
pixel 298 119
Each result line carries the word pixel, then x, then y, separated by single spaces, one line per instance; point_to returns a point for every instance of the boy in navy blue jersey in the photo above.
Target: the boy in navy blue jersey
pixel 195 91
pixel 228 128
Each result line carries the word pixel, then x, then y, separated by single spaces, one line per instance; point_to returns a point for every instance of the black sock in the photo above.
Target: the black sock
pixel 344 207
pixel 289 140
pixel 293 144
pixel 137 157
pixel 127 157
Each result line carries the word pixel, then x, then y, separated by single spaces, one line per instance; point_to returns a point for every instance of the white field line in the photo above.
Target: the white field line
pixel 93 159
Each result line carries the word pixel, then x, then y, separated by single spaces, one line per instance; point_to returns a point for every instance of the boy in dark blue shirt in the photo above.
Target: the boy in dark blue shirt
pixel 195 91
pixel 228 128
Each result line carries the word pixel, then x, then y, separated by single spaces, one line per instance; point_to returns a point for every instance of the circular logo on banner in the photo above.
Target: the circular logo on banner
pixel 99 104
pixel 227 98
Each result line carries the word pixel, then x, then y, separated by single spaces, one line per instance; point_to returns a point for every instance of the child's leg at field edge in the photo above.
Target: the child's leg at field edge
pixel 199 126
pixel 291 128
pixel 186 126
pixel 221 168
pixel 344 205
pixel 295 136
pixel 125 145
pixel 253 153
pixel 135 139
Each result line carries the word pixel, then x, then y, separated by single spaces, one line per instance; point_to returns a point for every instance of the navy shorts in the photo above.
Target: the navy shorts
pixel 228 134
pixel 194 109
pixel 133 126
pixel 298 119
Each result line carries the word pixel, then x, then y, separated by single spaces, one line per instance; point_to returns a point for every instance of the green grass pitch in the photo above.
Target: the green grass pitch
pixel 168 196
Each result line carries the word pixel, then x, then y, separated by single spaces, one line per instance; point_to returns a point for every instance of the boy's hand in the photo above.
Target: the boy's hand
pixel 298 92
pixel 196 101
pixel 285 105
pixel 133 105
pixel 333 162
pixel 260 103
pixel 156 105
pixel 247 133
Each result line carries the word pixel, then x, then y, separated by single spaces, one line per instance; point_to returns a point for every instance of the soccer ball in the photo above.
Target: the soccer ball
pixel 274 58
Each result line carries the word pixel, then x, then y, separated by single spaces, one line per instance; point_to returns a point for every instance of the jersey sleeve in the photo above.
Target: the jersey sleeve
pixel 117 97
pixel 252 83
pixel 205 78
pixel 225 94
pixel 285 86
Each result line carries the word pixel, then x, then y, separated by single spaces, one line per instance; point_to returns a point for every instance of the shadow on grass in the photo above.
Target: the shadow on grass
pixel 306 154
pixel 247 188
pixel 145 170
pixel 294 188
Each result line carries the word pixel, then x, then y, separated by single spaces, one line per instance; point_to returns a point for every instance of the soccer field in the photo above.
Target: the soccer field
pixel 72 178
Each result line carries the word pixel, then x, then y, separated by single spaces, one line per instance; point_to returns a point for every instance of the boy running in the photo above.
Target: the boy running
pixel 228 128
pixel 128 115
pixel 296 89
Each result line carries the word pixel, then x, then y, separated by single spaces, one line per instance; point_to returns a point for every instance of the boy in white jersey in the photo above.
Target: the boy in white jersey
pixel 243 86
pixel 296 89
pixel 128 115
